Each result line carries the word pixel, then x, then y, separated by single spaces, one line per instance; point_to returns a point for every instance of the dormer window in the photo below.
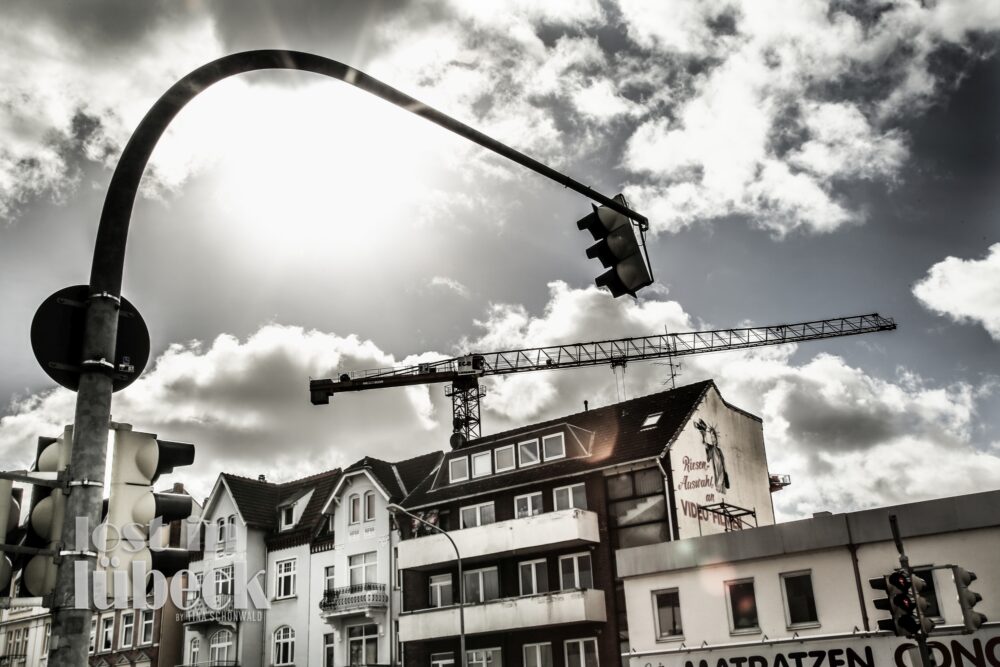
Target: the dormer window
pixel 503 458
pixel 554 447
pixel 287 517
pixel 458 469
pixel 527 452
pixel 481 464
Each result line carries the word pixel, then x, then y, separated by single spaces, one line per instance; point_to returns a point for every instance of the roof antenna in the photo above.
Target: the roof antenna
pixel 585 406
pixel 674 366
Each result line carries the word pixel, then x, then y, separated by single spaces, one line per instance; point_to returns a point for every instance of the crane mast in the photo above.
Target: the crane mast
pixel 463 372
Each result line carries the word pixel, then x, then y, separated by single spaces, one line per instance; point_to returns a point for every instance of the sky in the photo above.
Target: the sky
pixel 797 160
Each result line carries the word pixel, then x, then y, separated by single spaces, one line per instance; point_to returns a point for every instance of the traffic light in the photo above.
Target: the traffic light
pixel 45 517
pixel 918 619
pixel 10 515
pixel 138 461
pixel 904 601
pixel 968 599
pixel 618 250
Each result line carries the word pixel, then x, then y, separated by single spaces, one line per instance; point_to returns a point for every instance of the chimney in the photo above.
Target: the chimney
pixel 178 487
pixel 260 478
pixel 586 406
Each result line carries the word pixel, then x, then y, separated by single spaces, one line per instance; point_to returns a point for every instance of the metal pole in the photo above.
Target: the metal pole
pixel 70 624
pixel 461 578
pixel 904 563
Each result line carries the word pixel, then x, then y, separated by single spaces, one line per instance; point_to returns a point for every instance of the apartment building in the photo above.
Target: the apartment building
pixel 536 514
pixel 321 550
pixel 797 593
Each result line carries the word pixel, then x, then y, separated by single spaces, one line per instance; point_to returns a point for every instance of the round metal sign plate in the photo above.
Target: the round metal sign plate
pixel 57 339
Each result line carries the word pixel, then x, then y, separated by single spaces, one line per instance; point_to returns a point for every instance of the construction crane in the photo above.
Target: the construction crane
pixel 464 372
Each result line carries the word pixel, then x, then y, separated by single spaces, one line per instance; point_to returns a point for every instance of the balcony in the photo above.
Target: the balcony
pixel 212 663
pixel 220 611
pixel 531 534
pixel 353 600
pixel 530 611
pixel 13 659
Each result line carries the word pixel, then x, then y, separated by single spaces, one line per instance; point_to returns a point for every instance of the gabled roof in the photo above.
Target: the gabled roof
pixel 394 479
pixel 258 504
pixel 617 437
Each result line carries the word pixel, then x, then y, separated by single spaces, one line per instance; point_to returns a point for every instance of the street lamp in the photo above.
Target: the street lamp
pixel 396 509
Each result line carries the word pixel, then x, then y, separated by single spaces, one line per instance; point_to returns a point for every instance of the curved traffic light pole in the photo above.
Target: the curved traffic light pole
pixel 71 626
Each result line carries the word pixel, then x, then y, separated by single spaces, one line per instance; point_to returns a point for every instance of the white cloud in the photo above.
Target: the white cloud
pixel 965 289
pixel 450 284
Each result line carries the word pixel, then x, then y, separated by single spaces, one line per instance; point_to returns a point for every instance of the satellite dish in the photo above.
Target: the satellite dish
pixel 457 440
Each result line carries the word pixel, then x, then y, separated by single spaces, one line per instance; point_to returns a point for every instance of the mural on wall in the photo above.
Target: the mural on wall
pixel 713 455
pixel 705 479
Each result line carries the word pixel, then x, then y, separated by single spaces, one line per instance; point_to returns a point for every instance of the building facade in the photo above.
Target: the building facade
pixel 536 514
pixel 798 593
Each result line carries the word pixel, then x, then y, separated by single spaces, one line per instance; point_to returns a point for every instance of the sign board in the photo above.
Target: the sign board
pixel 57 339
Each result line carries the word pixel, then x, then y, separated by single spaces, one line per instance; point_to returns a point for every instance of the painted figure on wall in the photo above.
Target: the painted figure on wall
pixel 714 455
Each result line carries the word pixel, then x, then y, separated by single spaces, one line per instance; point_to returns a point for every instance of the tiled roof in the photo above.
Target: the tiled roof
pixel 618 437
pixel 258 504
pixel 398 478
pixel 416 470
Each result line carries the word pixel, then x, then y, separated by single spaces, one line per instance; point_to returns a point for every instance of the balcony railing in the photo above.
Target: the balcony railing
pixel 201 612
pixel 353 599
pixel 13 659
pixel 212 663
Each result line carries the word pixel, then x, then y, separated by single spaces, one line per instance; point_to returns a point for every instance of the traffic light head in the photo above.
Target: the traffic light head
pixel 45 518
pixel 10 515
pixel 618 250
pixel 971 619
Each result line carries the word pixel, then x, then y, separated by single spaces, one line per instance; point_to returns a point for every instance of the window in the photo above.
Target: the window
pixel 126 635
pixel 486 657
pixel 146 630
pixel 223 581
pixel 369 505
pixel 93 635
pixel 284 578
pixel 481 464
pixel 442 660
pixel 567 497
pixel 193 650
pixel 458 469
pixel 354 503
pixel 581 652
pixel 575 572
pixel 651 420
pixel 503 458
pixel 363 568
pixel 362 644
pixel 929 593
pixel 220 535
pixel 107 625
pixel 440 590
pixel 800 605
pixel 329 648
pixel 742 606
pixel 220 647
pixel 527 452
pixel 328 579
pixel 45 637
pixel 284 646
pixel 231 533
pixel 528 505
pixel 482 585
pixel 639 512
pixel 667 605
pixel 534 576
pixel 477 515
pixel 537 655
pixel 554 447
pixel 287 517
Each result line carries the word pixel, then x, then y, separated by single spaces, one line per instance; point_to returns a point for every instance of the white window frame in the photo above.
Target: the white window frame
pixel 222 579
pixel 537 651
pixel 470 656
pixel 729 606
pixel 656 615
pixel 45 638
pixel 479 514
pixel 651 420
pixel 534 576
pixel 220 535
pixel 496 458
pixel 287 520
pixel 93 634
pixel 481 456
pixel 482 586
pixel 581 642
pixel 194 650
pixel 146 619
pixel 285 574
pixel 348 640
pixel 538 453
pixel 783 576
pixel 452 477
pixel 218 651
pixel 107 634
pixel 562 442
pixel 329 649
pixel 369 506
pixel 532 511
pixel 576 569
pixel 569 492
pixel 363 565
pixel 354 509
pixel 286 638
pixel 435 599
pixel 130 626
pixel 329 577
pixel 443 659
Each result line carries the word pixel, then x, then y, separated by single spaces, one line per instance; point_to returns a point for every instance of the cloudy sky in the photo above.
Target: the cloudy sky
pixel 797 160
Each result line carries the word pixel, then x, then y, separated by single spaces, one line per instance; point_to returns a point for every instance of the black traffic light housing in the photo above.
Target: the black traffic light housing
pixel 618 250
pixel 971 619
